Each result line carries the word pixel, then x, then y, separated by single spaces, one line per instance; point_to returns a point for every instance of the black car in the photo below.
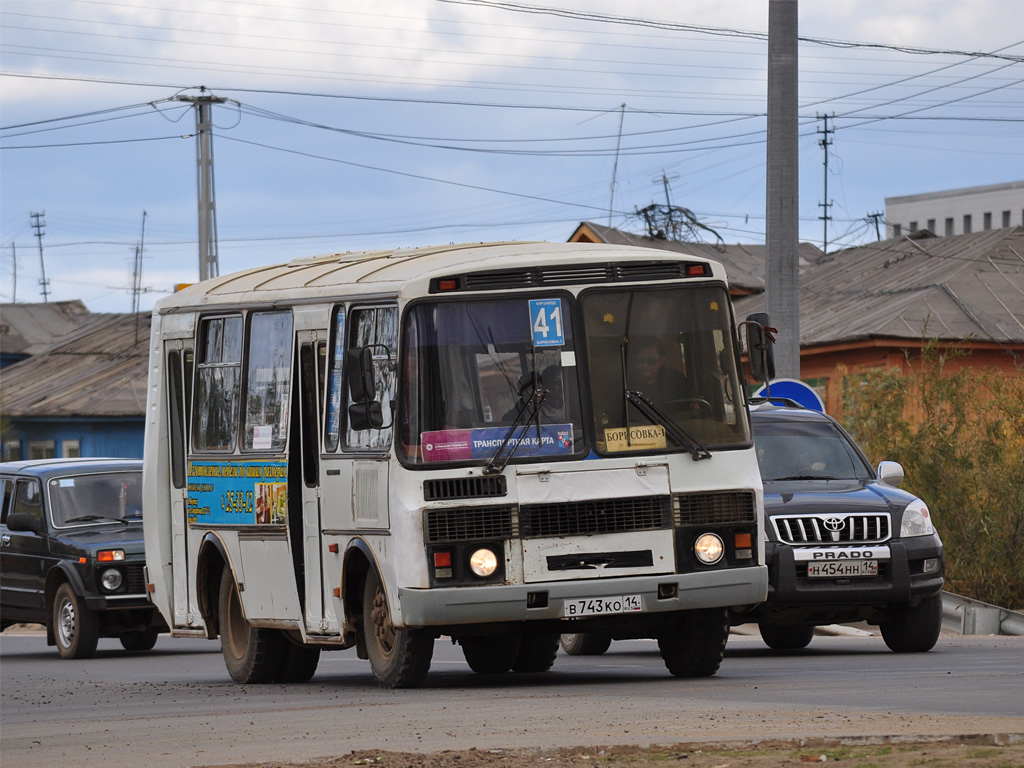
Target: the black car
pixel 844 543
pixel 71 553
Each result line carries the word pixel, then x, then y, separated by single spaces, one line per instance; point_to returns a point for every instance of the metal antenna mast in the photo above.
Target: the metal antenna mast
pixel 208 263
pixel 137 274
pixel 615 166
pixel 38 223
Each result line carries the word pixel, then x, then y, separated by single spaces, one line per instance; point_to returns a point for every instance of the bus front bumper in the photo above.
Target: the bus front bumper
pixel 547 600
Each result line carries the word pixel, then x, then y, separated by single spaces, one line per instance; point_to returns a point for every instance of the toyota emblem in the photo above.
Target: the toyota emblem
pixel 834 524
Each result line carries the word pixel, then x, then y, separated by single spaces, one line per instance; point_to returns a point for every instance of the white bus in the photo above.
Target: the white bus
pixel 497 443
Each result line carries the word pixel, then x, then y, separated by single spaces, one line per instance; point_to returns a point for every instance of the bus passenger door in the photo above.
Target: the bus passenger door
pixel 180 364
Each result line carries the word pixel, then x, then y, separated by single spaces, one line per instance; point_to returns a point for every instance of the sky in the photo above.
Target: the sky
pixel 352 125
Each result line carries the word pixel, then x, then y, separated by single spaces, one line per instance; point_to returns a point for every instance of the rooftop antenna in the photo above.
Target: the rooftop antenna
pixel 615 166
pixel 137 276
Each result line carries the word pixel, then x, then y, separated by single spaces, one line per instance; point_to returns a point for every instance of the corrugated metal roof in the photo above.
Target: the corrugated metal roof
pixel 911 287
pixel 99 370
pixel 28 329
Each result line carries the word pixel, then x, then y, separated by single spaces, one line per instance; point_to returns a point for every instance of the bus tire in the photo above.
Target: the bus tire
pixel 299 663
pixel 914 630
pixel 491 654
pixel 399 658
pixel 786 637
pixel 74 625
pixel 586 643
pixel 536 653
pixel 251 654
pixel 696 648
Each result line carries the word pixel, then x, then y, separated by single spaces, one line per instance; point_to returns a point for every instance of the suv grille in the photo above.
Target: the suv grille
pixel 832 529
pixel 134 580
pixel 639 513
pixel 717 508
pixel 469 524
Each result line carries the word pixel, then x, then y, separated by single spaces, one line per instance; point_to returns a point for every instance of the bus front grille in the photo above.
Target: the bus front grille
pixel 469 524
pixel 639 513
pixel 714 508
pixel 442 488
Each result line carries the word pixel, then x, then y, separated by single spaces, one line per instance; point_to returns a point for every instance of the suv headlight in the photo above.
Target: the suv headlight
pixel 916 520
pixel 111 579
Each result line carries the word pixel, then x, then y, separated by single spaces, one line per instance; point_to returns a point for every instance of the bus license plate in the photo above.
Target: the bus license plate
pixel 841 570
pixel 598 606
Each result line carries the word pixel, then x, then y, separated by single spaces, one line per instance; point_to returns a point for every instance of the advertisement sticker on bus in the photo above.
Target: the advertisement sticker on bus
pixel 466 444
pixel 237 492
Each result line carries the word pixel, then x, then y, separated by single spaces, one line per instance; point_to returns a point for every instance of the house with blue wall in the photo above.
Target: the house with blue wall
pixel 84 396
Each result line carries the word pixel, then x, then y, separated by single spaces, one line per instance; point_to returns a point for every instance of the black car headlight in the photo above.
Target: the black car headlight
pixel 111 579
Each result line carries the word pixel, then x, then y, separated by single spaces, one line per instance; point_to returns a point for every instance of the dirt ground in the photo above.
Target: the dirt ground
pixel 967 752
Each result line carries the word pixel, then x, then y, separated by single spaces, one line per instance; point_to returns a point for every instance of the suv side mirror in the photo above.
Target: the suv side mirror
pixel 890 472
pixel 760 346
pixel 23 521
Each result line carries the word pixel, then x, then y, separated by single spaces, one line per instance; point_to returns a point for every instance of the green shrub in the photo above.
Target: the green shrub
pixel 959 434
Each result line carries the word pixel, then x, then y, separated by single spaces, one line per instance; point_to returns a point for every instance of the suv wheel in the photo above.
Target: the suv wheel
pixel 786 637
pixel 914 630
pixel 74 625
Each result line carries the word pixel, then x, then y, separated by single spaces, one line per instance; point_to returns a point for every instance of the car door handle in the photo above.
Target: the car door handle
pixel 5 541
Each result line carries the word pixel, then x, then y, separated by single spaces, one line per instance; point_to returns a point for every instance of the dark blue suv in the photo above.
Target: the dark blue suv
pixel 71 553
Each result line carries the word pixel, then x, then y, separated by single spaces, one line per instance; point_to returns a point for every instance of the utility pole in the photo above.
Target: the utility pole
pixel 615 166
pixel 137 272
pixel 825 142
pixel 782 278
pixel 876 217
pixel 208 263
pixel 14 260
pixel 664 179
pixel 38 223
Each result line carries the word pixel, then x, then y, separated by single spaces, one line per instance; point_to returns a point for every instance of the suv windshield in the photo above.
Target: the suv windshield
pixel 96 498
pixel 476 369
pixel 802 450
pixel 672 348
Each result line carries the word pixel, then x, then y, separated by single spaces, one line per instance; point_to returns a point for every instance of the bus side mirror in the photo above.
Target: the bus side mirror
pixel 359 370
pixel 366 415
pixel 760 346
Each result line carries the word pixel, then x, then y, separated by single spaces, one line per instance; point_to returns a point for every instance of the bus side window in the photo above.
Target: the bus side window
pixel 376 327
pixel 176 417
pixel 268 381
pixel 219 378
pixel 332 424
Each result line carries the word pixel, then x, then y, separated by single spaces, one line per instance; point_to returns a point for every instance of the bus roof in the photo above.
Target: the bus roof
pixel 409 271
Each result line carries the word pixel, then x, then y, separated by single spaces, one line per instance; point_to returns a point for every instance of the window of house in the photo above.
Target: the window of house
pixel 897 230
pixel 913 226
pixel 1006 219
pixel 42 449
pixel 70 449
pixel 12 450
pixel 967 223
pixel 949 227
pixel 987 221
pixel 931 225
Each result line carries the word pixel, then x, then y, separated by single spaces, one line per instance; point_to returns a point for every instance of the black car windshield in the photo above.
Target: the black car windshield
pixel 799 450
pixel 671 347
pixel 487 377
pixel 96 498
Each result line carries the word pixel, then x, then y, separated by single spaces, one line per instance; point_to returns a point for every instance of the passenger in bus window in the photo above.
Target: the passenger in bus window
pixel 553 407
pixel 657 381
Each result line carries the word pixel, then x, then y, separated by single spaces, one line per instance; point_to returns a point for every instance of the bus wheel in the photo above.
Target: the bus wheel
pixel 491 654
pixel 697 647
pixel 399 658
pixel 536 653
pixel 586 643
pixel 299 663
pixel 252 654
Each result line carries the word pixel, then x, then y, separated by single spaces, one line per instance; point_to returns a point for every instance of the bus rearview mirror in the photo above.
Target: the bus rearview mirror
pixel 360 374
pixel 760 346
pixel 366 415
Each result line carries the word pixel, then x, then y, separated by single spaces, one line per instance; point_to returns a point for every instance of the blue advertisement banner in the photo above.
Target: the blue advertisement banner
pixel 237 492
pixel 465 444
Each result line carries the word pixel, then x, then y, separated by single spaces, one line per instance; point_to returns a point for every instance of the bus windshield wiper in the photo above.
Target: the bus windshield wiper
pixel 680 435
pixel 495 464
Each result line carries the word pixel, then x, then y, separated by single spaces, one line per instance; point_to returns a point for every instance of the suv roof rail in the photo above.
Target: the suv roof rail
pixel 785 401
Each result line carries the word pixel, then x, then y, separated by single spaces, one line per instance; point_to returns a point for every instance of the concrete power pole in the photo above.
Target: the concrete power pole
pixel 782 267
pixel 208 263
pixel 38 223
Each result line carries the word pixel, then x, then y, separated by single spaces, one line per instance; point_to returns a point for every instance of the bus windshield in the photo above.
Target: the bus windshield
pixel 480 374
pixel 670 348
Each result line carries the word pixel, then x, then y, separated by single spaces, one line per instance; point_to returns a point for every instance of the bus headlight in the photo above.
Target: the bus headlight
pixel 483 562
pixel 111 579
pixel 709 548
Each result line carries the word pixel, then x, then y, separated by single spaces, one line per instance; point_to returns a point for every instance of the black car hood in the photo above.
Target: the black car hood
pixel 91 538
pixel 795 497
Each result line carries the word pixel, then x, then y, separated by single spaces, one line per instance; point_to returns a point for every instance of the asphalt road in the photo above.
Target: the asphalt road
pixel 176 705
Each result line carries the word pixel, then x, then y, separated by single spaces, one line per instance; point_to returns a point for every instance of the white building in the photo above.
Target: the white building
pixel 957 211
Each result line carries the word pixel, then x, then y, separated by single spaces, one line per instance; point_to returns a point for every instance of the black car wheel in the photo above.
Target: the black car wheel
pixel 914 630
pixel 786 637
pixel 139 641
pixel 74 626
